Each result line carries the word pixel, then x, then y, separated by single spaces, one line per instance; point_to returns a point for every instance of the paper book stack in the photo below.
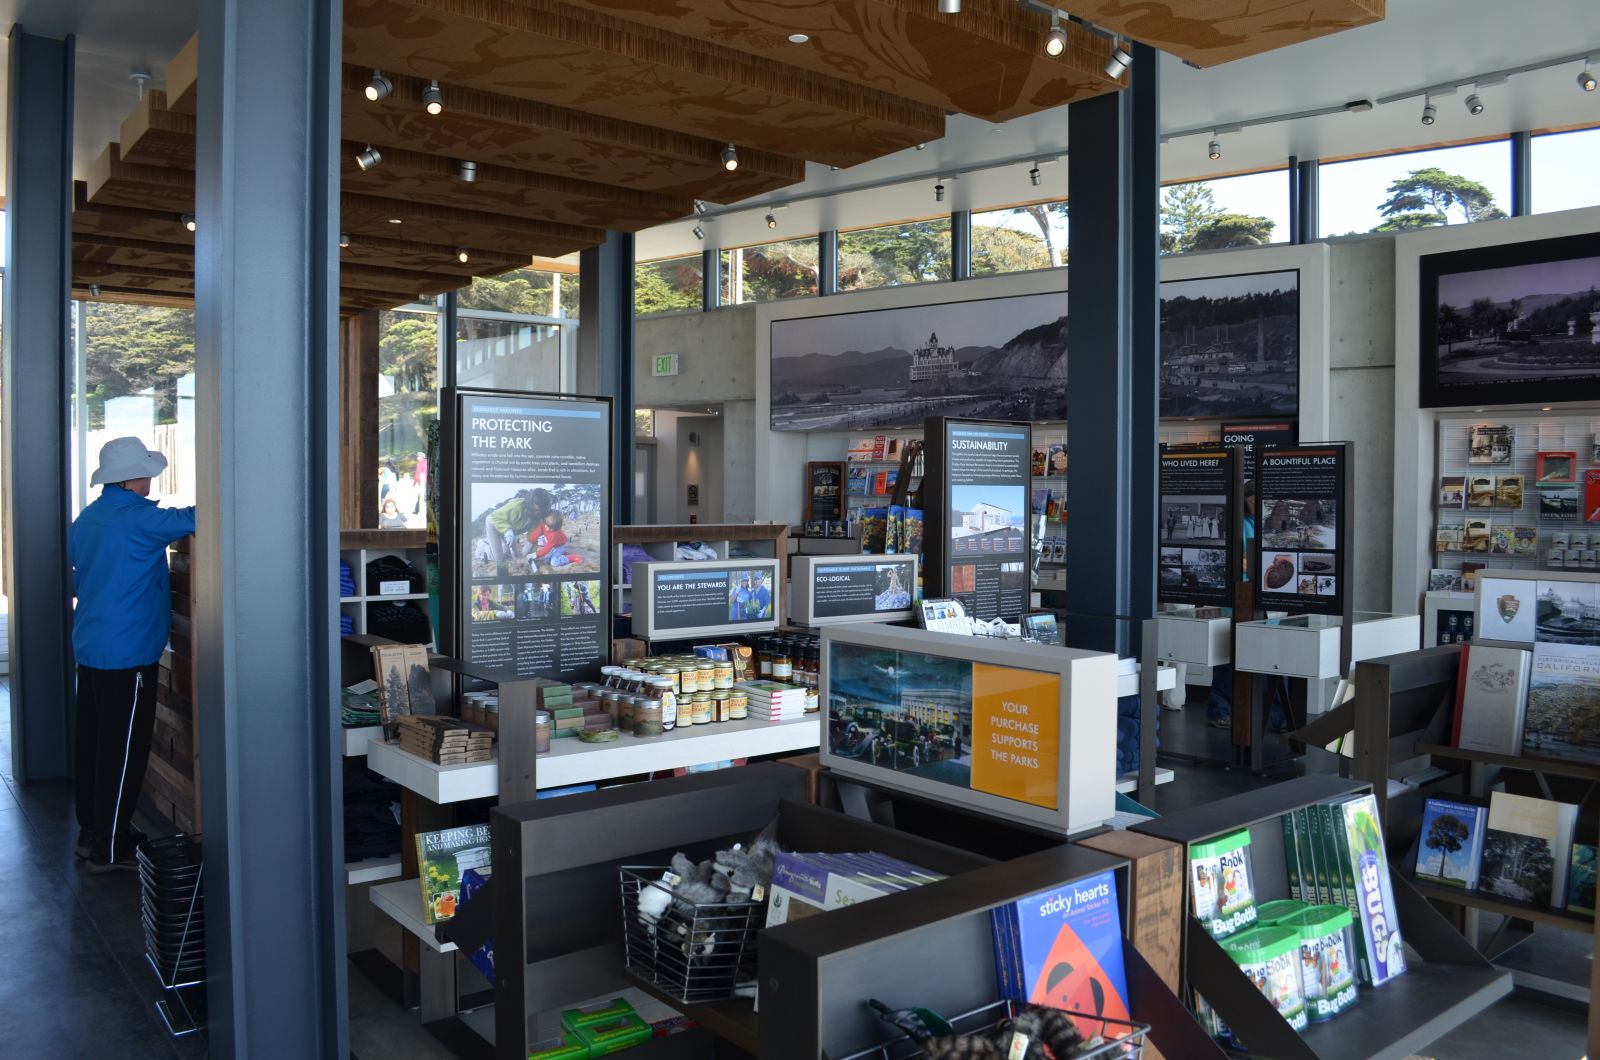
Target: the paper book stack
pixel 773 700
pixel 807 884
pixel 447 741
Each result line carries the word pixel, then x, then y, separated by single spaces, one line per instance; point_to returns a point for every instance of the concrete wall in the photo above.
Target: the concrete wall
pixel 716 359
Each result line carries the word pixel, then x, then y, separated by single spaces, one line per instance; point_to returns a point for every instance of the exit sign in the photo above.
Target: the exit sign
pixel 665 364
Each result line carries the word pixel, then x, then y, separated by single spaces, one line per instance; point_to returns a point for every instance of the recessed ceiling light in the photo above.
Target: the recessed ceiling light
pixel 462 255
pixel 799 38
pixel 394 220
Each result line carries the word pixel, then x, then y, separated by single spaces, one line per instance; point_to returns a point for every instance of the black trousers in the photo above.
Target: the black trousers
pixel 116 718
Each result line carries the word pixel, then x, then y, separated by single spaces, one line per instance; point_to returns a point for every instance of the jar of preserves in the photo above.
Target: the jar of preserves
pixel 700 702
pixel 647 719
pixel 666 691
pixel 738 705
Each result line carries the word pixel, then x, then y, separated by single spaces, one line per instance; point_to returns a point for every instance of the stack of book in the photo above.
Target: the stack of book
pixel 1519 848
pixel 774 701
pixel 447 741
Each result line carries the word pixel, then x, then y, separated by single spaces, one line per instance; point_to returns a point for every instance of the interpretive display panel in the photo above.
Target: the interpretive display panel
pixel 1198 559
pixel 1302 539
pixel 978 533
pixel 1006 728
pixel 683 600
pixel 534 516
pixel 1254 438
pixel 825 590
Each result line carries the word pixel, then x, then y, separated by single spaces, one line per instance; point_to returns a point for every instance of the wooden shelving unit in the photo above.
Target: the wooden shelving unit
pixel 359 547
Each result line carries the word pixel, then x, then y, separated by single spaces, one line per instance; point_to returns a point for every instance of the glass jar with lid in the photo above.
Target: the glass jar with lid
pixel 666 691
pixel 647 719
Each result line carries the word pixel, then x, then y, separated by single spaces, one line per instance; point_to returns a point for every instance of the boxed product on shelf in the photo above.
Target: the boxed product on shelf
pixel 1327 979
pixel 1219 881
pixel 1270 958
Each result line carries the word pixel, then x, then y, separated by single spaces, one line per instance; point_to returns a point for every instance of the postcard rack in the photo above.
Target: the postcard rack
pixel 1450 984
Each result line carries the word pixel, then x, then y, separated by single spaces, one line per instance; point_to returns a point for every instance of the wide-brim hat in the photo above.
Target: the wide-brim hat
pixel 122 459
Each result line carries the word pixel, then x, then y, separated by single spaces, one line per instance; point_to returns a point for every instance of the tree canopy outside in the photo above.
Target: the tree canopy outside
pixel 894 255
pixel 529 291
pixel 130 349
pixel 1192 220
pixel 664 286
pixel 1425 197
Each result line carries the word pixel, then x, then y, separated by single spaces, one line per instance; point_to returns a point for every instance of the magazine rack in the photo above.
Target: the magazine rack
pixel 1450 984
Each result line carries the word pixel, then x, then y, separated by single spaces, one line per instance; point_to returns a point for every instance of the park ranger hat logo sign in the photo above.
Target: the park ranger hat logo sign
pixel 1508 606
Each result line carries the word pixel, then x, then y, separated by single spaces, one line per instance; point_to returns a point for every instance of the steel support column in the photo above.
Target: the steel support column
pixel 1521 174
pixel 828 262
pixel 1112 356
pixel 711 278
pixel 1307 226
pixel 37 399
pixel 961 244
pixel 605 352
pixel 265 564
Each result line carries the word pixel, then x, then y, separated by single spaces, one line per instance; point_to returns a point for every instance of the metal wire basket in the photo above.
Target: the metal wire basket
pixel 1123 1039
pixel 693 953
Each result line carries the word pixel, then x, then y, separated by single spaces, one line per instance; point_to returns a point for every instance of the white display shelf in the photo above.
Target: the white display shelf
pixel 436 783
pixel 1128 783
pixel 381 598
pixel 402 902
pixel 571 761
pixel 372 870
pixel 1308 646
pixel 1166 679
pixel 356 740
pixel 1183 637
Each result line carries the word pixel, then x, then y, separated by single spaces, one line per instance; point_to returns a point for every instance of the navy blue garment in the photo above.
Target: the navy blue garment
pixel 118 549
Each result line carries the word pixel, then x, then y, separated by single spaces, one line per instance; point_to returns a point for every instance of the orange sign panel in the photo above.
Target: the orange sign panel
pixel 1016 734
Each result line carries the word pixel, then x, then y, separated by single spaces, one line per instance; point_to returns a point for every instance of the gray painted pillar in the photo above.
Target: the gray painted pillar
pixel 605 352
pixel 710 278
pixel 828 262
pixel 1307 205
pixel 961 244
pixel 1112 355
pixel 1521 174
pixel 37 398
pixel 266 584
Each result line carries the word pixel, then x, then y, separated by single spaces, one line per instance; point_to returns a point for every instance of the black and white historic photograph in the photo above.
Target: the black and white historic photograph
pixel 1230 345
pixel 1521 323
pixel 995 358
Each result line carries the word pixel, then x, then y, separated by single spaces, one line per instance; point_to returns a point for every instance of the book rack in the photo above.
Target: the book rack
pixel 1450 984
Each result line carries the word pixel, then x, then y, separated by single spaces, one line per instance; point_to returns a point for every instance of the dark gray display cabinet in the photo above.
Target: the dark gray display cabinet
pixel 1446 981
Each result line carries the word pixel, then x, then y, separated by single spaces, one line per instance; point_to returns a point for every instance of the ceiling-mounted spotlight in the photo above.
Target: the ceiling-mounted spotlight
pixel 94 290
pixel 949 7
pixel 469 172
pixel 368 157
pixel 1214 150
pixel 189 221
pixel 701 208
pixel 799 38
pixel 1586 80
pixel 344 240
pixel 938 193
pixel 1119 62
pixel 379 86
pixel 1035 177
pixel 730 158
pixel 1430 113
pixel 699 233
pixel 922 147
pixel 772 219
pixel 1474 105
pixel 432 100
pixel 1055 41
pixel 462 255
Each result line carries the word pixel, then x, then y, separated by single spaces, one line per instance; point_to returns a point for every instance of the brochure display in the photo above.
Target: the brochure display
pixel 827 590
pixel 825 488
pixel 1022 732
pixel 532 549
pixel 1198 562
pixel 687 600
pixel 978 533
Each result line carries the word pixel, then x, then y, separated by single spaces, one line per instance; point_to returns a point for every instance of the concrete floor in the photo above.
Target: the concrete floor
pixel 76 982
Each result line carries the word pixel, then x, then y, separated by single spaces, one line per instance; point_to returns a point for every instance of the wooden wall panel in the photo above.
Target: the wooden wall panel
pixel 358 419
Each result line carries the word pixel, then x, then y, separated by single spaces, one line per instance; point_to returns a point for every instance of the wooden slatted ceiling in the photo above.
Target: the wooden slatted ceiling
pixel 552 52
pixel 1208 32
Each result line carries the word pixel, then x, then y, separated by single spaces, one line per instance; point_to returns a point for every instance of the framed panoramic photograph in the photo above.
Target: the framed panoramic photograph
pixel 1512 324
pixel 1230 345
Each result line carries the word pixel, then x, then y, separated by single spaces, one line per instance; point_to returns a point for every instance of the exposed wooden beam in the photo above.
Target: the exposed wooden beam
pixel 446 226
pixel 381 252
pixel 132 253
pixel 116 182
pixel 409 174
pixel 414 283
pixel 494 128
pixel 157 226
pixel 986 61
pixel 129 296
pixel 171 281
pixel 183 77
pixel 153 135
pixel 552 52
pixel 1208 32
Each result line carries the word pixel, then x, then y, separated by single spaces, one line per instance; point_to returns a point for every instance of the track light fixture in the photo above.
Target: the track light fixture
pixel 462 255
pixel 469 172
pixel 700 207
pixel 1055 41
pixel 772 219
pixel 1586 80
pixel 938 193
pixel 379 86
pixel 699 233
pixel 1430 113
pixel 949 7
pixel 94 290
pixel 1474 105
pixel 368 157
pixel 1119 62
pixel 188 221
pixel 344 240
pixel 432 100
pixel 1214 150
pixel 1035 177
pixel 730 158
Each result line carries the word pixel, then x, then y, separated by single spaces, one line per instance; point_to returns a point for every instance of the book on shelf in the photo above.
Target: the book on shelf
pixel 1447 539
pixel 874 524
pixel 442 858
pixel 1452 492
pixel 1062 949
pixel 857 482
pixel 1591 496
pixel 1508 491
pixel 1480 491
pixel 1563 711
pixel 1581 869
pixel 1058 459
pixel 1491 698
pixel 1451 843
pixel 1475 535
pixel 1527 848
pixel 1443 579
pixel 1555 467
pixel 1525 541
pixel 1365 863
pixel 1039 465
pixel 1500 541
pixel 865 449
pixel 1490 443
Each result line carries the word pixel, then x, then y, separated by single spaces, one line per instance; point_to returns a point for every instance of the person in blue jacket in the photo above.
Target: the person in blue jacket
pixel 118 550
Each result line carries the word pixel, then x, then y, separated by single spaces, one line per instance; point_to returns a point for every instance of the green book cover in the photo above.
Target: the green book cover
pixel 1291 857
pixel 1347 864
pixel 1580 879
pixel 442 857
pixel 1319 852
pixel 1330 843
pixel 1308 860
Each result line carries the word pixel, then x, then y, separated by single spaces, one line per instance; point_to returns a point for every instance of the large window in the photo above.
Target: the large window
pixel 668 284
pixel 1019 238
pixel 773 271
pixel 1418 189
pixel 1566 170
pixel 1244 211
pixel 895 254
pixel 531 292
pixel 408 412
